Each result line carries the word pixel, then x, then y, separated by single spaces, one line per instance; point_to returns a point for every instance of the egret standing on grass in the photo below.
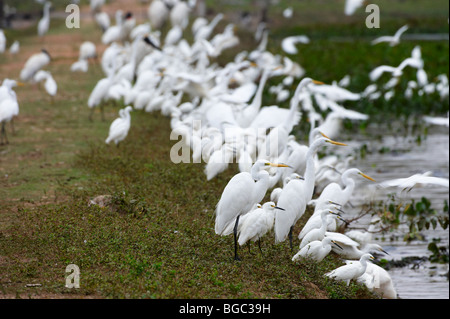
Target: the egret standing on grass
pixel 351 271
pixel 119 128
pixel 316 250
pixel 44 23
pixel 36 62
pixel 242 192
pixel 297 194
pixel 257 223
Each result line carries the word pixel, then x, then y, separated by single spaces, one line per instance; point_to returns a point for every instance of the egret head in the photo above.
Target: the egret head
pixel 272 206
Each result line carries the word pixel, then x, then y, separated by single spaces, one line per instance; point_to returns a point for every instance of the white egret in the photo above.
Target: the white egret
pixel 318 233
pixel 2 41
pixel 351 271
pixel 9 107
pixel 44 22
pixel 240 194
pixel 103 20
pixel 15 47
pixel 315 221
pixel 436 120
pixel 288 43
pixel 352 251
pixel 275 194
pixel 179 15
pixel 377 280
pixel 119 128
pixel 296 194
pixel 392 40
pixel 416 180
pixel 88 50
pixel 351 6
pixel 36 62
pixel 257 223
pixel 335 193
pixel 80 66
pixel 158 13
pixel 316 250
pixel 50 84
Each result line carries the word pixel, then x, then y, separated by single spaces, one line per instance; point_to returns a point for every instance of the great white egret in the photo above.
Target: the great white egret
pixel 351 271
pixel 2 41
pixel 316 250
pixel 416 180
pixel 257 223
pixel 119 128
pixel 377 280
pixel 392 40
pixel 44 22
pixel 336 193
pixel 296 194
pixel 36 62
pixel 9 107
pixel 240 194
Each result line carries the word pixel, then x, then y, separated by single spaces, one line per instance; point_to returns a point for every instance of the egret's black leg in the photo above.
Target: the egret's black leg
pixel 259 245
pixel 290 237
pixel 235 239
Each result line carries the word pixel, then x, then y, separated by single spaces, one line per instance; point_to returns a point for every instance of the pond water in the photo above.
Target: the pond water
pixel 402 157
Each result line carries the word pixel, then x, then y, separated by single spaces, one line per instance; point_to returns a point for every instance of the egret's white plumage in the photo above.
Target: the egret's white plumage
pixel 392 40
pixel 351 271
pixel 316 250
pixel 119 128
pixel 44 22
pixel 36 62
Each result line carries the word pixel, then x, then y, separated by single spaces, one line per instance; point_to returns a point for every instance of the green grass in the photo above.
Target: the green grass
pixel 157 240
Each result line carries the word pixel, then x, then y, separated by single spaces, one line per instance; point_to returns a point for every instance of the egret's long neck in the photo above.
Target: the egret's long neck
pixel 310 172
pixel 349 184
pixel 262 184
pixel 257 99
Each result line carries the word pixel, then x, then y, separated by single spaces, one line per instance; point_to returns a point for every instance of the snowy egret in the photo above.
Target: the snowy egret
pixel 316 250
pixel 351 271
pixel 353 252
pixel 318 233
pixel 119 128
pixel 257 223
pixel 416 180
pixel 240 194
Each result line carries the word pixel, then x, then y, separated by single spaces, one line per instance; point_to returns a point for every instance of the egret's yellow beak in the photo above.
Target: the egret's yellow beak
pixel 20 83
pixel 324 135
pixel 253 64
pixel 368 177
pixel 336 143
pixel 317 82
pixel 278 165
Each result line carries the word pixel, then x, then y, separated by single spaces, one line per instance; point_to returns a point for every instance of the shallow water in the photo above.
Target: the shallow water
pixel 406 157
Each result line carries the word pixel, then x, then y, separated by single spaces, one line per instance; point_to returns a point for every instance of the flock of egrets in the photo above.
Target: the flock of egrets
pixel 219 114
